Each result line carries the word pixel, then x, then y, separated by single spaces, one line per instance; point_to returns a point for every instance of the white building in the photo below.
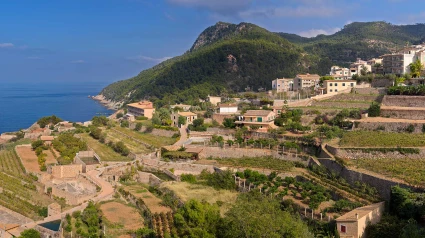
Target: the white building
pixel 398 63
pixel 340 73
pixel 283 85
pixel 356 67
pixel 228 108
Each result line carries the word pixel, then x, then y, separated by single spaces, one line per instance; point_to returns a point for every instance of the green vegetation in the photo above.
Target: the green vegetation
pixel 381 139
pixel 215 64
pixel 68 145
pixel 374 110
pixel 409 170
pixel 105 152
pixel 44 121
pixel 156 141
pixel 259 162
pixel 418 90
pixel 86 224
pixel 364 40
pixel 30 233
pixel 198 125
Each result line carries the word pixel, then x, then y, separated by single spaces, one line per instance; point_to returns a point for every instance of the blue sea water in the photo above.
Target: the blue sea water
pixel 22 104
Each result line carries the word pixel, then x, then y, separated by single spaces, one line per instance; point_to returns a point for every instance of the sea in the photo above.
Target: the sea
pixel 22 104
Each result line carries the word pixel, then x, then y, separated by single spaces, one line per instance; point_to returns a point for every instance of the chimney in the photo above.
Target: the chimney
pixel 357 216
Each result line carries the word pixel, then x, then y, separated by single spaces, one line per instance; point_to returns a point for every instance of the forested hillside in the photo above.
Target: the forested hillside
pixel 225 57
pixel 360 40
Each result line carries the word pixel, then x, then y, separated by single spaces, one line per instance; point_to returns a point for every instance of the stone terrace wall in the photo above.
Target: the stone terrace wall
pixel 388 126
pixel 370 90
pixel 403 114
pixel 377 83
pixel 71 199
pixel 383 186
pixel 179 168
pixel 356 153
pixel 148 178
pixel 67 171
pixel 403 101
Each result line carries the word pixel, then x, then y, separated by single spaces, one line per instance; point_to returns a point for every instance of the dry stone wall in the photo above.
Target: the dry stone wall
pixel 67 171
pixel 389 126
pixel 359 153
pixel 403 101
pixel 403 114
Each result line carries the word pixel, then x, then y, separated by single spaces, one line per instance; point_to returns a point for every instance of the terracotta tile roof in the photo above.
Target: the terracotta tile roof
pixel 360 211
pixel 141 105
pixel 186 114
pixel 253 113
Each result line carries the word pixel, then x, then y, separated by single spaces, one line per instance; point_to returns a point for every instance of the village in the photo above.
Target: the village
pixel 335 145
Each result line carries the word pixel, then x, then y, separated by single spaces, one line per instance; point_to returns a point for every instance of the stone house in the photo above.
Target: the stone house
pixel 335 86
pixel 189 116
pixel 353 223
pixel 283 85
pixel 303 81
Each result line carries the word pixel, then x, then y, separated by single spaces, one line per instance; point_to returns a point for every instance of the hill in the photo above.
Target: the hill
pixel 360 40
pixel 224 58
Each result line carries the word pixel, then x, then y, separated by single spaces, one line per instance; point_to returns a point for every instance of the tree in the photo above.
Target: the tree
pixel 416 68
pixel 95 132
pixel 374 110
pixel 120 114
pixel 139 126
pixel 229 123
pixel 182 120
pixel 30 233
pixel 363 71
pixel 254 215
pixel 399 80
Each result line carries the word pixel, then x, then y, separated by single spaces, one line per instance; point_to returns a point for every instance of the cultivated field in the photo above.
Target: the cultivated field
pixel 9 162
pixel 156 141
pixel 259 162
pixel 132 145
pixel 152 202
pixel 381 139
pixel 29 158
pixel 411 171
pixel 122 215
pixel 186 191
pixel 105 152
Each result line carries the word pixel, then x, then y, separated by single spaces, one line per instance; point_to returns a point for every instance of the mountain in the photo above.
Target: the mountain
pixel 229 57
pixel 224 58
pixel 360 40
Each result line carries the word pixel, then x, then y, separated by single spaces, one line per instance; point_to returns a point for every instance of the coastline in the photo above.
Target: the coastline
pixel 106 103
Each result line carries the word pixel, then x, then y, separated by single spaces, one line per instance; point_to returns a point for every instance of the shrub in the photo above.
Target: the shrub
pixel 410 128
pixel 374 110
pixel 119 115
pixel 190 178
pixel 36 144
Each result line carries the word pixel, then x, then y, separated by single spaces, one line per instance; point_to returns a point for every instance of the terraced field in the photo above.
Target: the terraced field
pixel 381 139
pixel 132 145
pixel 156 141
pixel 18 189
pixel 105 152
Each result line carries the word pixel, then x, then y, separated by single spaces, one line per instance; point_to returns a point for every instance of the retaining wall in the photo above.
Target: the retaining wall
pixel 148 178
pixel 67 171
pixel 388 126
pixel 404 113
pixel 403 101
pixel 370 90
pixel 357 153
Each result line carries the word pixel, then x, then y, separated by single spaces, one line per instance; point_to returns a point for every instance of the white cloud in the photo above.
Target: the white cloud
pixel 223 7
pixel 6 45
pixel 300 11
pixel 315 32
pixel 142 58
pixel 78 62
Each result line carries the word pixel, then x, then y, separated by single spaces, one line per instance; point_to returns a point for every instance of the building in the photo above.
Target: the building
pixel 302 81
pixel 398 63
pixel 214 100
pixel 334 86
pixel 278 110
pixel 356 67
pixel 189 116
pixel 353 223
pixel 228 108
pixel 263 119
pixel 340 73
pixel 142 108
pixel 184 107
pixel 6 230
pixel 283 85
pixel 47 140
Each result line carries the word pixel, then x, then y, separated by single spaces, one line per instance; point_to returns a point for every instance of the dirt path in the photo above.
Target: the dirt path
pixel 183 136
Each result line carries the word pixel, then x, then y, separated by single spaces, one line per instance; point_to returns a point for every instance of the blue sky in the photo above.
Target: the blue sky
pixel 109 40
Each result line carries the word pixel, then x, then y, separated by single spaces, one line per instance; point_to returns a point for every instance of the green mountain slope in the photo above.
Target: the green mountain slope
pixel 360 40
pixel 225 57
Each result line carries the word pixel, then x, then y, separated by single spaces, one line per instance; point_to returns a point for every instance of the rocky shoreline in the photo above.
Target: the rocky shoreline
pixel 107 103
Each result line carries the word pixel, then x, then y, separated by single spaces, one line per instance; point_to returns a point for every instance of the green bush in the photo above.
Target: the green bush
pixel 374 110
pixel 190 178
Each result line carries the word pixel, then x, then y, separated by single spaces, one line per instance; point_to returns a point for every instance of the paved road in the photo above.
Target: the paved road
pixel 183 136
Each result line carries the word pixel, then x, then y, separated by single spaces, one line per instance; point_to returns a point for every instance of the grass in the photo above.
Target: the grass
pixel 153 202
pixel 411 171
pixel 186 191
pixel 156 141
pixel 105 152
pixel 381 139
pixel 259 162
pixel 132 145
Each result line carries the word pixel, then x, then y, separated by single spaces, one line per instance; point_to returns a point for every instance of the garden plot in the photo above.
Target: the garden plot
pixel 29 158
pixel 153 203
pixel 123 215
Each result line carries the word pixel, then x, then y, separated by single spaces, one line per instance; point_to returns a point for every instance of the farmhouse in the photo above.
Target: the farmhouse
pixel 189 117
pixel 263 119
pixel 334 86
pixel 228 108
pixel 47 140
pixel 353 223
pixel 142 108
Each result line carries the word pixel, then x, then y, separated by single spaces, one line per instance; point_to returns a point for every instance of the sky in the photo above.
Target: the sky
pixel 109 40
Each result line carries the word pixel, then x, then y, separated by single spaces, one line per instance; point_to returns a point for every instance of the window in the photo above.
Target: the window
pixel 330 84
pixel 343 229
pixel 352 84
pixel 336 90
pixel 330 90
pixel 343 84
pixel 336 84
